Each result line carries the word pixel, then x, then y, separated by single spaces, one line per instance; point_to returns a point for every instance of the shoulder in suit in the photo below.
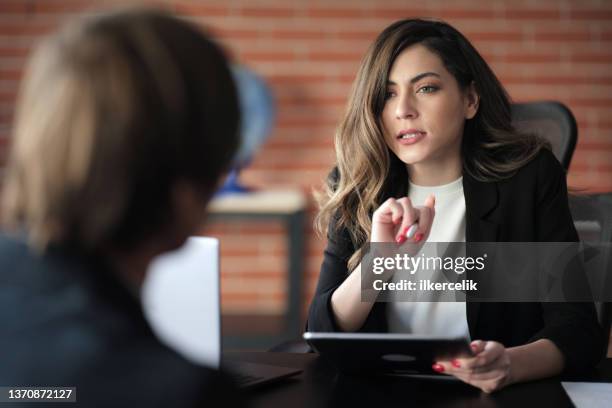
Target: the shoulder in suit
pixel 67 321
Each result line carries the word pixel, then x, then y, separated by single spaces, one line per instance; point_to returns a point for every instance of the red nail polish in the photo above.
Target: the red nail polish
pixel 418 237
pixel 456 363
pixel 437 367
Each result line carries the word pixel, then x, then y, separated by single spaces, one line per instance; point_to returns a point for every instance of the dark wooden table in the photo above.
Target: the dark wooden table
pixel 320 385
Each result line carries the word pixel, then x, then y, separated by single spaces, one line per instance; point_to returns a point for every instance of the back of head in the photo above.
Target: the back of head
pixel 113 112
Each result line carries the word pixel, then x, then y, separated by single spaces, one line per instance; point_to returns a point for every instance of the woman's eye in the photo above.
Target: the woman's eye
pixel 389 94
pixel 428 89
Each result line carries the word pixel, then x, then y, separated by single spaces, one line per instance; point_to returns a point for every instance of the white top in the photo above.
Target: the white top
pixel 435 317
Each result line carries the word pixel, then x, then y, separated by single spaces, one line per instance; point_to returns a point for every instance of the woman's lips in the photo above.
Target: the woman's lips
pixel 410 138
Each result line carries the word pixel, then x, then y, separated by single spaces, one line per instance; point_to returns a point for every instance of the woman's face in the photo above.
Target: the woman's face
pixel 425 110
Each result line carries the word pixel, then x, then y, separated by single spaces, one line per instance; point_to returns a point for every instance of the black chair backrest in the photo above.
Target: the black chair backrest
pixel 551 120
pixel 593 219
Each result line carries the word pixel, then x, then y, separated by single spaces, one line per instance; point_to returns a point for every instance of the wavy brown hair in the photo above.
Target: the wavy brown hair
pixel 367 170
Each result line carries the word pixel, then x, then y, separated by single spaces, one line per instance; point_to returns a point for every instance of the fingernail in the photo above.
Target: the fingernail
pixel 418 237
pixel 438 367
pixel 400 239
pixel 409 233
pixel 474 347
pixel 456 363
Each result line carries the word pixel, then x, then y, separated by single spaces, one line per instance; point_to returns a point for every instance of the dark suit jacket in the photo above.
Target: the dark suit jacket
pixel 531 206
pixel 66 320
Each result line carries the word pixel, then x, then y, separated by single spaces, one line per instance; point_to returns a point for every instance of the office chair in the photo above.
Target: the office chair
pixel 551 120
pixel 593 219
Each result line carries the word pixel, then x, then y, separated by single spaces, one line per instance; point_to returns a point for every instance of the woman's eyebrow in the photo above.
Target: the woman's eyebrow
pixel 416 78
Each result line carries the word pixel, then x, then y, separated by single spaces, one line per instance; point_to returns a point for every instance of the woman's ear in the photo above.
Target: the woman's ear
pixel 472 101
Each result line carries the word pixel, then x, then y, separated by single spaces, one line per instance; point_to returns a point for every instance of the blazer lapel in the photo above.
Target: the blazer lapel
pixel 481 200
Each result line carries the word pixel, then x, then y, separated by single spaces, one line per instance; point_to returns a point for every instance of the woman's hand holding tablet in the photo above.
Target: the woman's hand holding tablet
pixel 488 370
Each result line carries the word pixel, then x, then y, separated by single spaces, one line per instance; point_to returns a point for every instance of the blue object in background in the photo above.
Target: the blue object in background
pixel 257 118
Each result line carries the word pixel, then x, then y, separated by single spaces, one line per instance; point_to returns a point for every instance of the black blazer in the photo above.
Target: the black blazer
pixel 531 206
pixel 66 320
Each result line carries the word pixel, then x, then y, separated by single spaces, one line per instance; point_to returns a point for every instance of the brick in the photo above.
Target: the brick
pixel 590 102
pixel 335 13
pixel 302 34
pixel 14 7
pixel 452 14
pixel 335 56
pixel 234 33
pixel 548 36
pixel 532 14
pixel 13 52
pixel 21 28
pixel 357 35
pixel 529 57
pixel 312 100
pixel 233 297
pixel 555 79
pixel 10 73
pixel 397 13
pixel 235 226
pixel 8 95
pixel 301 142
pixel 282 79
pixel 495 36
pixel 596 57
pixel 191 8
pixel 245 251
pixel 590 15
pixel 268 56
pixel 65 6
pixel 268 12
pixel 290 122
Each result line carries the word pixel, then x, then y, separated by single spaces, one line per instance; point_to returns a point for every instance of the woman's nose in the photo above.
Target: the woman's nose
pixel 405 108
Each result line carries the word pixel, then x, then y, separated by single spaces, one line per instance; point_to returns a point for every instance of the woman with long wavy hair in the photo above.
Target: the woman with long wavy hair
pixel 427 140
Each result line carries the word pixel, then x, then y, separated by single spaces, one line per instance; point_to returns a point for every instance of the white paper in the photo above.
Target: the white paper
pixel 588 394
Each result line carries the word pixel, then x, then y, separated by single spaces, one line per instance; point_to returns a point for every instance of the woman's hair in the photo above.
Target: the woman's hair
pixel 113 111
pixel 367 170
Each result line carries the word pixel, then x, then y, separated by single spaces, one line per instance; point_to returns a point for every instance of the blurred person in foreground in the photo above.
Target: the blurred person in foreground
pixel 125 123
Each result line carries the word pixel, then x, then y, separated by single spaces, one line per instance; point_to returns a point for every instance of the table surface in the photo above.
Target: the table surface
pixel 263 201
pixel 320 385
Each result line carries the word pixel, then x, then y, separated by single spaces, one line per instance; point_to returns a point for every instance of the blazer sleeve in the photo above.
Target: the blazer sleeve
pixel 334 271
pixel 572 327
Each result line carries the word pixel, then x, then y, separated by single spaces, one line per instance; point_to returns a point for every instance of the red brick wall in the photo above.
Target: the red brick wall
pixel 309 52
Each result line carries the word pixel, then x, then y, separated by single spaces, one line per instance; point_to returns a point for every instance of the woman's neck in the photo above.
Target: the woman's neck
pixel 435 172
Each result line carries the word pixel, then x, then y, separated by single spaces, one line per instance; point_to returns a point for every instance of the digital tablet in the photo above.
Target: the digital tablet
pixel 387 353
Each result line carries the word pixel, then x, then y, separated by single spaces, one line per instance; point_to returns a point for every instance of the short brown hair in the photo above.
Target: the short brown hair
pixel 113 111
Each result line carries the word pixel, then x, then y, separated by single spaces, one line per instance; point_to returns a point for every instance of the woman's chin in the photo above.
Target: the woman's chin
pixel 412 159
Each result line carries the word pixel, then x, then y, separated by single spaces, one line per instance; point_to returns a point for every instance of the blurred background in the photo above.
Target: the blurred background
pixel 308 51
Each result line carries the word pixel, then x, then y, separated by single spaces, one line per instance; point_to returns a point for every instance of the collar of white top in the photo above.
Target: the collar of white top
pixel 452 187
